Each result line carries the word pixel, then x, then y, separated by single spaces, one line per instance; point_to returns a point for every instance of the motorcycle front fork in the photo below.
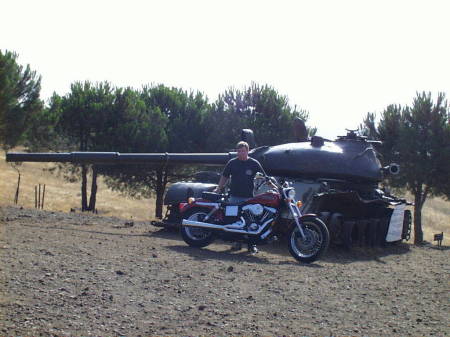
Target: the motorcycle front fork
pixel 295 211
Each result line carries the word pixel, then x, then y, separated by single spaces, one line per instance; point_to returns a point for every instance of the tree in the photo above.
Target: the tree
pixel 175 124
pixel 260 108
pixel 83 118
pixel 42 133
pixel 417 138
pixel 19 98
pixel 140 128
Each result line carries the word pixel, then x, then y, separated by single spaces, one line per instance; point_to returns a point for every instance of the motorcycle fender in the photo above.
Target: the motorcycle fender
pixel 188 206
pixel 286 214
pixel 308 215
pixel 305 217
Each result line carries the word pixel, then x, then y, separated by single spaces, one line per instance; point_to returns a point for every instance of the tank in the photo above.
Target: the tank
pixel 337 180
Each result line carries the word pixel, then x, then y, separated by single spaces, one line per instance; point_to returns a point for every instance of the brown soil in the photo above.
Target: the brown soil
pixel 70 274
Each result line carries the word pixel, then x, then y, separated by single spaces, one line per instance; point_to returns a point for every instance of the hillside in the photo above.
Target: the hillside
pixel 61 195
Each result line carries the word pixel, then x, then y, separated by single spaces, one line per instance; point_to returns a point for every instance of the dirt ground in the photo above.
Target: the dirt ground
pixel 70 274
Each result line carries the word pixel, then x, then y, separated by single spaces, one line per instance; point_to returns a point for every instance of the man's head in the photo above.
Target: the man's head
pixel 242 150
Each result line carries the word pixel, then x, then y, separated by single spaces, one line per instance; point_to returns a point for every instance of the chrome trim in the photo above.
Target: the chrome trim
pixel 266 234
pixel 297 214
pixel 270 209
pixel 192 223
pixel 214 210
pixel 213 204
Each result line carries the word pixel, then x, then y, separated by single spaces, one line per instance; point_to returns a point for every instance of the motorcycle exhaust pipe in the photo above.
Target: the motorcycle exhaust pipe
pixel 192 223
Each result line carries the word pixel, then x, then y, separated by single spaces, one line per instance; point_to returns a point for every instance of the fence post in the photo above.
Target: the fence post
pixel 16 197
pixel 43 196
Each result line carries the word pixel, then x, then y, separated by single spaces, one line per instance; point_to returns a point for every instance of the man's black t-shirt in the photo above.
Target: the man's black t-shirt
pixel 242 173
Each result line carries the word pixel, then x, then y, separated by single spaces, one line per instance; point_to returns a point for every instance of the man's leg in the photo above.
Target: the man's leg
pixel 237 225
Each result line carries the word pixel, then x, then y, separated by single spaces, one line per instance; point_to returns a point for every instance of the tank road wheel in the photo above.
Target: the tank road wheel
pixel 315 243
pixel 196 237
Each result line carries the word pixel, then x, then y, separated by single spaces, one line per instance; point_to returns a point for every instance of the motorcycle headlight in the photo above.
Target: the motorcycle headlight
pixel 291 193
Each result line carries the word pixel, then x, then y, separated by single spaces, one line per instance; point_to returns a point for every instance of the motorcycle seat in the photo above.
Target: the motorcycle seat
pixel 211 196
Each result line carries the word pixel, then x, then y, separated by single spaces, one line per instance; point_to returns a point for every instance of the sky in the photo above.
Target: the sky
pixel 336 59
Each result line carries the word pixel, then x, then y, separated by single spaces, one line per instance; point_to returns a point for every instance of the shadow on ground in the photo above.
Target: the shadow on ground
pixel 335 254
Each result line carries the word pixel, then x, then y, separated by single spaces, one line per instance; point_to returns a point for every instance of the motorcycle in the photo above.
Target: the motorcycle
pixel 258 220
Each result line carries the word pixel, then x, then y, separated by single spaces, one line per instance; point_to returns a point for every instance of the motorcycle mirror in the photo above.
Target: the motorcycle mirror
pixel 259 175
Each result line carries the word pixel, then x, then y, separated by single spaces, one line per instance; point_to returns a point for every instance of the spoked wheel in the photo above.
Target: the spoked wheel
pixel 314 244
pixel 193 236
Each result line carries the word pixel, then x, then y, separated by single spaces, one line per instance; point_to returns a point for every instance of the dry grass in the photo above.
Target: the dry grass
pixel 62 196
pixel 436 219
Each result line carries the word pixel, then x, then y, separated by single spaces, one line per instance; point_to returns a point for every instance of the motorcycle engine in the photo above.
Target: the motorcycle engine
pixel 255 215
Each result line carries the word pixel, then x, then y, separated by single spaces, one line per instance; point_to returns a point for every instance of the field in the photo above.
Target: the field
pixel 63 196
pixel 71 274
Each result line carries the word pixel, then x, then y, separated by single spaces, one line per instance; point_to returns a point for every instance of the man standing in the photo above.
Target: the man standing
pixel 242 171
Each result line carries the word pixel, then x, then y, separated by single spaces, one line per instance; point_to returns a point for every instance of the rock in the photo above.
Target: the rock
pixel 230 269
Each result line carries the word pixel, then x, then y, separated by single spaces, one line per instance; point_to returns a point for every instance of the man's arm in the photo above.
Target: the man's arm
pixel 224 177
pixel 222 183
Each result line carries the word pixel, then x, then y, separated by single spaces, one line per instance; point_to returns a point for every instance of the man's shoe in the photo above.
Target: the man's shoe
pixel 252 249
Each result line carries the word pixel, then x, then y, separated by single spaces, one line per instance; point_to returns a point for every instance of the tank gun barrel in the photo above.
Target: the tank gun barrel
pixel 122 158
pixel 347 158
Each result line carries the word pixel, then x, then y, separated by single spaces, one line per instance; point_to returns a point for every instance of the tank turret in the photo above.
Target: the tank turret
pixel 345 158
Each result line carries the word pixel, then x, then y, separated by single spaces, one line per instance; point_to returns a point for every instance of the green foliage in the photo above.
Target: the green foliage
pixel 81 120
pixel 19 98
pixel 260 108
pixel 167 120
pixel 42 133
pixel 417 138
pixel 84 112
pixel 425 145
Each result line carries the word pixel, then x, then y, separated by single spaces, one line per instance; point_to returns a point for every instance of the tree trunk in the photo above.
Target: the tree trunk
pixel 159 193
pixel 418 232
pixel 93 197
pixel 16 197
pixel 84 206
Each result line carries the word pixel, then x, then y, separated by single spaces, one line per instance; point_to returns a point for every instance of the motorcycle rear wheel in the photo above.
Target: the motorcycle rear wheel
pixel 314 245
pixel 193 236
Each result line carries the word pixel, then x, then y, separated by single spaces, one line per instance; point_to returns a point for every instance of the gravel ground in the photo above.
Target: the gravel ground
pixel 70 274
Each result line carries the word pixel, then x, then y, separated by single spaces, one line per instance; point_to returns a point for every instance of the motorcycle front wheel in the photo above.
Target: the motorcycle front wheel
pixel 315 243
pixel 193 236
